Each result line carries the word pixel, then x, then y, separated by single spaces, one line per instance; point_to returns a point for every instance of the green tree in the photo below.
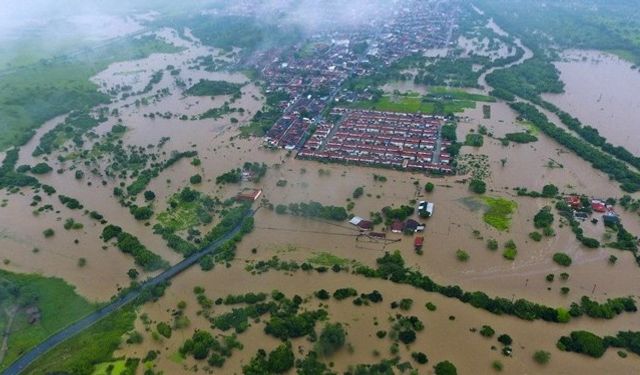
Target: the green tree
pixel 445 368
pixel 195 179
pixel 281 359
pixel 331 339
pixel 549 191
pixel 149 195
pixel 478 186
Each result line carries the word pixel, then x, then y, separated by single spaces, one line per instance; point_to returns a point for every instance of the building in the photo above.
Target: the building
pixel 425 209
pixel 249 195
pixel 361 223
pixel 397 226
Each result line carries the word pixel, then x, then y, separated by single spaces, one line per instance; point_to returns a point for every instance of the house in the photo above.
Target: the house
pixel 611 219
pixel 249 195
pixel 573 201
pixel 397 226
pixel 598 206
pixel 361 223
pixel 425 209
pixel 414 226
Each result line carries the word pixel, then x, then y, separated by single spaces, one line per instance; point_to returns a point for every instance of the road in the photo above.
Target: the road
pixel 29 357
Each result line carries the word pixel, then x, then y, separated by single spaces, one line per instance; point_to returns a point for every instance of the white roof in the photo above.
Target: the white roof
pixel 356 220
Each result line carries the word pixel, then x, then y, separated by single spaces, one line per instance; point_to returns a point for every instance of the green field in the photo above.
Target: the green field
pixel 90 350
pixel 117 367
pixel 439 100
pixel 57 301
pixel 499 211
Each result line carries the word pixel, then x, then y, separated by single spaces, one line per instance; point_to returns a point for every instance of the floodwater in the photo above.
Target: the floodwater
pixel 452 227
pixel 105 270
pixel 602 91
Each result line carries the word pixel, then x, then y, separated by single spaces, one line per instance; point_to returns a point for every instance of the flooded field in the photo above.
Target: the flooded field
pixel 457 224
pixel 105 270
pixel 601 90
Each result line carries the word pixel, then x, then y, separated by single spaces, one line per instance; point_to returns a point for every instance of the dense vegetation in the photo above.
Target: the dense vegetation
pixel 392 267
pixel 595 346
pixel 314 210
pixel 214 88
pixel 129 244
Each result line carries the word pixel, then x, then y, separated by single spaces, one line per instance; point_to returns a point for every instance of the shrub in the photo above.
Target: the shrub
pixel 149 195
pixel 407 336
pixel 164 329
pixel 543 218
pixel 343 293
pixel 419 357
pixel 505 339
pixel 613 259
pixel 48 232
pixel 430 306
pixel 41 168
pixel 562 259
pixel 322 294
pixel 510 253
pixel 478 186
pixel 536 236
pixel 492 244
pixel 474 140
pixel 331 339
pixel 358 192
pixel 487 331
pixel 462 255
pixel 497 365
pixel 195 179
pixel 445 368
pixel 583 342
pixel 542 357
pixel 405 304
pixel 549 191
pixel 591 243
pixel 429 187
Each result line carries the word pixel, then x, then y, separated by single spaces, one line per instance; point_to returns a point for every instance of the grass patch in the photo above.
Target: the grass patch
pixel 81 354
pixel 182 214
pixel 327 259
pixel 117 368
pixel 499 212
pixel 177 358
pixel 459 94
pixel 57 301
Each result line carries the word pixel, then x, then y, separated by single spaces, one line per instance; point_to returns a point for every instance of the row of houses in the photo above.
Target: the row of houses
pixel 386 139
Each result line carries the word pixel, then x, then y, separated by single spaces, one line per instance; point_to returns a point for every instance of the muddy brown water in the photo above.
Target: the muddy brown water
pixel 602 91
pixel 289 237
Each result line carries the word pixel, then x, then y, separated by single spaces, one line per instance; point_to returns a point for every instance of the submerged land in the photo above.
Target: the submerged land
pixel 428 187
